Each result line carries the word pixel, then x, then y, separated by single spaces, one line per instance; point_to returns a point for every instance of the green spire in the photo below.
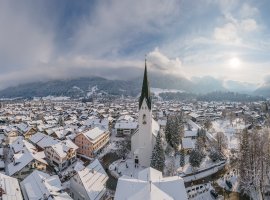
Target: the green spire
pixel 145 90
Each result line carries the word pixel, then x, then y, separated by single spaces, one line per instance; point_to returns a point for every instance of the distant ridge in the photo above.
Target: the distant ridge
pixel 83 87
pixel 263 90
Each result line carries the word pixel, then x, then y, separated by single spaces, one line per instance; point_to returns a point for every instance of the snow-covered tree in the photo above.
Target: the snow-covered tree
pixel 222 142
pixel 175 134
pixel 207 124
pixel 168 129
pixel 174 130
pixel 215 155
pixel 182 157
pixel 158 156
pixel 201 132
pixel 123 147
pixel 200 146
pixel 171 167
pixel 195 158
pixel 61 121
pixel 253 165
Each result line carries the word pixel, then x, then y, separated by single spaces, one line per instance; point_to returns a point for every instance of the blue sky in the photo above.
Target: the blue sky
pixel 42 40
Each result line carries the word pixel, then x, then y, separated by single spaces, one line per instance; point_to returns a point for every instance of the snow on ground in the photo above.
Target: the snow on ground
pixel 124 167
pixel 157 91
pixel 92 91
pixel 230 130
pixel 77 166
pixel 52 98
pixel 203 174
pixel 111 147
pixel 231 177
pixel 207 168
pixel 206 164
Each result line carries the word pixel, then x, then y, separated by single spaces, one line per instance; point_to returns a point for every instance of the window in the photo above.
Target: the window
pixel 144 119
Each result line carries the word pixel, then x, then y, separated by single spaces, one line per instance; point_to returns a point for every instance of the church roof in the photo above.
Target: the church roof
pixel 145 94
pixel 150 185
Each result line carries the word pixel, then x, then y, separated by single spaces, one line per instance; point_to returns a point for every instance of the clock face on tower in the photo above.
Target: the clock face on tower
pixel 144 119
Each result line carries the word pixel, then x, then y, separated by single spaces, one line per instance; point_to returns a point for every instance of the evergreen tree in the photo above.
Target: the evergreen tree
pixel 168 129
pixel 171 167
pixel 195 158
pixel 200 146
pixel 177 131
pixel 175 135
pixel 158 156
pixel 215 155
pixel 201 132
pixel 182 157
pixel 61 121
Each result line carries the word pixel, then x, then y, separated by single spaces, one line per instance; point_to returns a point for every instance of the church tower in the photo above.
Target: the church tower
pixel 142 141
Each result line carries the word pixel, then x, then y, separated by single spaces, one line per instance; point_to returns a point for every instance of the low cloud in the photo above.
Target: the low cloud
pixel 74 67
pixel 267 79
pixel 161 63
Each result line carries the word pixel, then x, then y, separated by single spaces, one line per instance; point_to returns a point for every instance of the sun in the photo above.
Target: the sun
pixel 235 63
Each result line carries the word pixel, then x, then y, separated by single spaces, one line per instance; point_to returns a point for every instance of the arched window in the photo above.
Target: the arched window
pixel 144 119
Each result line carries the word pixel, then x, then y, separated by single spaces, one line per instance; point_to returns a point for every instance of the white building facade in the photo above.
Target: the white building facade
pixel 143 140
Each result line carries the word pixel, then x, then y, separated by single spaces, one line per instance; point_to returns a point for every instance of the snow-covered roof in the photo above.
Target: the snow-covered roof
pixel 61 148
pixel 192 133
pixel 150 174
pixel 155 127
pixel 22 127
pixel 62 132
pixel 162 122
pixel 39 185
pixel 11 188
pixel 194 115
pixel 94 178
pixel 150 185
pixel 126 125
pixel 22 159
pixel 95 121
pixel 20 144
pixel 125 118
pixel 188 143
pixel 43 140
pixel 94 133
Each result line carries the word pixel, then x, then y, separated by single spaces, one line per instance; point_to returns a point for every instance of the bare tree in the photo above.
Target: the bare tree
pixel 207 124
pixel 222 141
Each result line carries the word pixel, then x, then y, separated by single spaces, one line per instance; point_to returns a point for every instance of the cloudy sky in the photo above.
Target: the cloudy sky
pixel 42 40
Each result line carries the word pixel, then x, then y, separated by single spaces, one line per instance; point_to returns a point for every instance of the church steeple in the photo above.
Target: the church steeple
pixel 145 94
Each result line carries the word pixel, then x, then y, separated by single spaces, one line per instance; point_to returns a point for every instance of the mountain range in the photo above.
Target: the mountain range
pixel 82 87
